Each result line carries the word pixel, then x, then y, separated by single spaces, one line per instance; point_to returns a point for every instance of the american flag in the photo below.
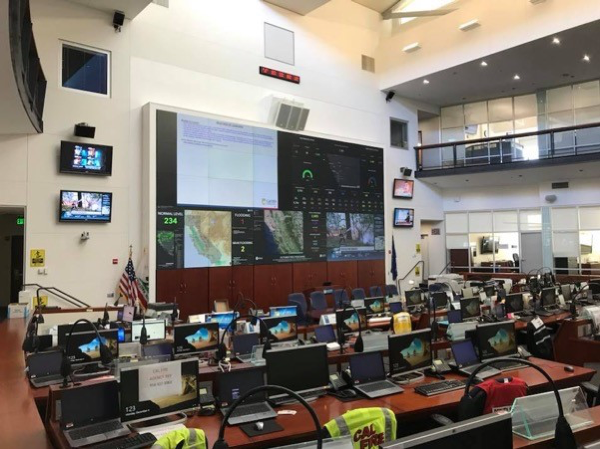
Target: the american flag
pixel 129 288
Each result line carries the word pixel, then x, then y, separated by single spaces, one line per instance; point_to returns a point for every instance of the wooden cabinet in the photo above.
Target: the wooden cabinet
pixel 272 284
pixel 242 281
pixel 220 284
pixel 188 287
pixel 308 275
pixel 371 272
pixel 343 273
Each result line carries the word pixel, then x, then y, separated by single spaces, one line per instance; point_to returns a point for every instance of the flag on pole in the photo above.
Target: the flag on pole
pixel 394 269
pixel 129 287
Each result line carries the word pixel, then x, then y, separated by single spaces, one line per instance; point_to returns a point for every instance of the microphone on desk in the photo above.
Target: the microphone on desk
pixel 105 317
pixel 144 331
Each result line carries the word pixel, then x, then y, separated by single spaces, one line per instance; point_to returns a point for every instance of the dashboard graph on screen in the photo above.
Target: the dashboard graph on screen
pixel 234 194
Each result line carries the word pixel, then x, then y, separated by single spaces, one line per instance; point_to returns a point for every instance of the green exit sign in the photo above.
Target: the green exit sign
pixel 20 221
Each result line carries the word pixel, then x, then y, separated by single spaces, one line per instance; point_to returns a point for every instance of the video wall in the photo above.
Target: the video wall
pixel 233 194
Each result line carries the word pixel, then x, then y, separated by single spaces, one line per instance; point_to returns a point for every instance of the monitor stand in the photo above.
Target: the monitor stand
pixel 409 378
pixel 169 420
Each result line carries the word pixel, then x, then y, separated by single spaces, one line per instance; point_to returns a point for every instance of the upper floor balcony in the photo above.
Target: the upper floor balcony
pixel 557 146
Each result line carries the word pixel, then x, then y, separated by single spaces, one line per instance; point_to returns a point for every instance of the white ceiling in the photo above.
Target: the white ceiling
pixel 377 5
pixel 131 8
pixel 301 7
pixel 523 176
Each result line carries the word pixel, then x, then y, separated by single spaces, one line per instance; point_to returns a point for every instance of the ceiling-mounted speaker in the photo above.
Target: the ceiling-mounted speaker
pixel 289 115
pixel 550 198
pixel 405 171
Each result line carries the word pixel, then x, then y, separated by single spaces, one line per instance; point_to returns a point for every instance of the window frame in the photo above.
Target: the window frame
pixel 76 45
pixel 401 123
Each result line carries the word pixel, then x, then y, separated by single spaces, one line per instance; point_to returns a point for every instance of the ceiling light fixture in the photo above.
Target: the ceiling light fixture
pixel 425 81
pixel 468 26
pixel 586 58
pixel 411 47
pixel 484 64
pixel 516 77
pixel 556 41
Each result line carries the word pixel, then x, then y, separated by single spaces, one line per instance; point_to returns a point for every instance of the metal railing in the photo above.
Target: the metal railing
pixel 64 296
pixel 538 145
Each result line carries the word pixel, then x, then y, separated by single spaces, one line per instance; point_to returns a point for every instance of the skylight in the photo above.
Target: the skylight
pixel 420 5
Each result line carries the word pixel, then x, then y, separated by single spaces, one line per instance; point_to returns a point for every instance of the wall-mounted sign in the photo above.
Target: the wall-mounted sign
pixel 20 221
pixel 418 248
pixel 272 73
pixel 37 258
pixel 435 231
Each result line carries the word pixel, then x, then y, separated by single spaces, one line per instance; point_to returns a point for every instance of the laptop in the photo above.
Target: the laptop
pixel 236 383
pixel 43 368
pixel 90 414
pixel 368 374
pixel 242 346
pixel 499 340
pixel 466 360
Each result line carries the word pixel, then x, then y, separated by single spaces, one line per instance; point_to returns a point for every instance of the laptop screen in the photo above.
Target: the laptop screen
pixel 281 328
pixel 194 338
pixel 496 340
pixel 84 347
pixel 155 329
pixel 514 303
pixel 236 383
pixel 325 334
pixel 464 353
pixel 549 297
pixel 44 363
pixel 410 352
pixel 395 307
pixel 414 297
pixel 367 367
pixel 90 404
pixel 439 300
pixel 243 343
pixel 454 316
pixel 375 305
pixel 470 308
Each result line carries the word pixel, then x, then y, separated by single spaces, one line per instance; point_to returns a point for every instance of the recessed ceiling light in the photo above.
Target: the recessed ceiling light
pixel 556 41
pixel 467 26
pixel 483 64
pixel 586 58
pixel 425 81
pixel 516 77
pixel 411 47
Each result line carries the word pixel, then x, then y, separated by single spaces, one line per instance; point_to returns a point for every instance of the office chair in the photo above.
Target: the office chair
pixel 391 290
pixel 299 300
pixel 375 290
pixel 318 305
pixel 516 260
pixel 358 293
pixel 340 298
pixel 592 387
pixel 221 305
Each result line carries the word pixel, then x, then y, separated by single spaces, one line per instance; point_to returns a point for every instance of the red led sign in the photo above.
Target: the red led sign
pixel 279 75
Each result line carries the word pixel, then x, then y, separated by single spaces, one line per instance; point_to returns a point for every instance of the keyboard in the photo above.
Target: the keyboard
pixel 376 386
pixel 96 429
pixel 441 387
pixel 507 366
pixel 141 440
pixel 288 399
pixel 251 409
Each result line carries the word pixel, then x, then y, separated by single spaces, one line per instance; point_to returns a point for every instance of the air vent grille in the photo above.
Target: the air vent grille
pixel 368 63
pixel 560 185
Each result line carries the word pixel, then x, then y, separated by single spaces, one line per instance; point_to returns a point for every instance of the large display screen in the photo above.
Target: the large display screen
pixel 85 158
pixel 85 206
pixel 233 194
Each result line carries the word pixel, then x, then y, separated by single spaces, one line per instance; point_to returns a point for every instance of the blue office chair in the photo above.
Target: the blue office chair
pixel 318 305
pixel 358 293
pixel 375 290
pixel 391 290
pixel 299 300
pixel 340 298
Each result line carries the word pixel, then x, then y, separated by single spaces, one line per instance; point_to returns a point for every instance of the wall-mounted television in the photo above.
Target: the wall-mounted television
pixel 85 158
pixel 404 218
pixel 488 244
pixel 79 206
pixel 403 188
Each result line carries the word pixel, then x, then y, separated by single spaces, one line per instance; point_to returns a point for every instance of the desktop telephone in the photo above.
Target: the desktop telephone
pixel 524 353
pixel 207 400
pixel 440 366
pixel 340 387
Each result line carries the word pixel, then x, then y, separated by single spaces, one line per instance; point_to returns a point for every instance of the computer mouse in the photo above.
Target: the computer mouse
pixel 569 369
pixel 259 425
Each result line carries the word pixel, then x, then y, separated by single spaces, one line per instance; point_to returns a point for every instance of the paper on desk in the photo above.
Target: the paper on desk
pixel 592 313
pixel 160 431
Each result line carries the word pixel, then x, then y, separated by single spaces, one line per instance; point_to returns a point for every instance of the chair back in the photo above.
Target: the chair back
pixel 299 300
pixel 358 293
pixel 375 290
pixel 391 290
pixel 318 301
pixel 381 423
pixel 340 298
pixel 221 305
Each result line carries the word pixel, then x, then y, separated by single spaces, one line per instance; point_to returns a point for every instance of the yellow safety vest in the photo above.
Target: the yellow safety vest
pixel 367 427
pixel 191 438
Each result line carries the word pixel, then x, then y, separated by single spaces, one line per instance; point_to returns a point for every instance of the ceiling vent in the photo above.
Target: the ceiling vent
pixel 560 185
pixel 368 63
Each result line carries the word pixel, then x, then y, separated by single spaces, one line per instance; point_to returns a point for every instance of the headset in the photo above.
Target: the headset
pixel 31 343
pixel 563 434
pixel 222 444
pixel 358 344
pixel 65 367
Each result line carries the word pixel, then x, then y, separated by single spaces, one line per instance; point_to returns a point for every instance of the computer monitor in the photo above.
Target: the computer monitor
pixel 164 309
pixel 566 292
pixel 283 328
pixel 410 352
pixel 439 300
pixel 492 431
pixel 162 351
pixel 325 334
pixel 514 303
pixel 89 404
pixel 223 318
pixel 41 364
pixel 283 311
pixel 244 343
pixel 489 290
pixel 470 309
pixel 375 305
pixel 63 331
pixel 549 297
pixel 301 369
pixel 142 397
pixel 347 320
pixel 234 384
pixel 155 329
pixel 496 340
pixel 464 353
pixel 367 367
pixel 414 298
pixel 84 347
pixel 395 307
pixel 454 316
pixel 195 338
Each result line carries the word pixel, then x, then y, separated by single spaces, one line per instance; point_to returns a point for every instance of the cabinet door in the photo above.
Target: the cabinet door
pixel 343 273
pixel 302 273
pixel 370 273
pixel 220 284
pixel 242 283
pixel 195 297
pixel 282 287
pixel 264 281
pixel 169 285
